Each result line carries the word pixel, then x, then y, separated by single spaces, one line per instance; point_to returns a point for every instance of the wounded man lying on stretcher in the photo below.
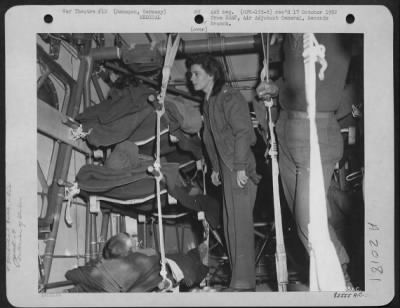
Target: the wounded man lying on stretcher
pixel 125 268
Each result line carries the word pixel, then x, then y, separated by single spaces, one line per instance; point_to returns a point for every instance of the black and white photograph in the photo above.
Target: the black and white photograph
pixel 233 150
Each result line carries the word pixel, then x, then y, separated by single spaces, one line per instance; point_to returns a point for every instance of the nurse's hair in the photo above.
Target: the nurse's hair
pixel 117 246
pixel 212 67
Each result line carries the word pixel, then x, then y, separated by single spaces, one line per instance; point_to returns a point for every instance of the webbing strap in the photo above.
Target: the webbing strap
pixel 71 191
pixel 172 49
pixel 265 47
pixel 280 255
pixel 322 251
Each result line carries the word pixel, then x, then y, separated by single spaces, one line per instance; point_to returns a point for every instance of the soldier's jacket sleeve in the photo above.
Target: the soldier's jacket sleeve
pixel 210 146
pixel 238 115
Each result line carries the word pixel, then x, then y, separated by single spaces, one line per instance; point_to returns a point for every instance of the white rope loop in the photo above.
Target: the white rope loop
pixel 314 52
pixel 166 284
pixel 78 133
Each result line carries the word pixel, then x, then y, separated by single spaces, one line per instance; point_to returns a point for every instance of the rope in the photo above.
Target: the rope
pixel 77 220
pixel 322 251
pixel 166 284
pixel 78 133
pixel 280 255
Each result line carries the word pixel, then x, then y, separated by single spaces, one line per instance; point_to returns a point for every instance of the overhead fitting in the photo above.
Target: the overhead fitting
pixel 148 57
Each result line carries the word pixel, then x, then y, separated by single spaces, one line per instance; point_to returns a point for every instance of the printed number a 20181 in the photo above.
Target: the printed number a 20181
pixel 376 266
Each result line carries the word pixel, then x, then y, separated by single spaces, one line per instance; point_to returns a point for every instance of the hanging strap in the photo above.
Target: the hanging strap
pixel 280 255
pixel 70 191
pixel 322 251
pixel 265 71
pixel 166 284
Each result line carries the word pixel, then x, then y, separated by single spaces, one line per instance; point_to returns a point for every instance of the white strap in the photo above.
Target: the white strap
pixel 176 270
pixel 280 255
pixel 70 193
pixel 265 71
pixel 322 251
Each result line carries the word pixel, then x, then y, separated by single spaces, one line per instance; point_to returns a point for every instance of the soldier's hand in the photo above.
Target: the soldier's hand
pixel 215 178
pixel 241 178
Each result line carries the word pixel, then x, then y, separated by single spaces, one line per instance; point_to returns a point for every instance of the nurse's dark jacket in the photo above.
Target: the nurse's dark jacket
pixel 228 131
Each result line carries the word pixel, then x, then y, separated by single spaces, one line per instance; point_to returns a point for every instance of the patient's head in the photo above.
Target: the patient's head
pixel 118 246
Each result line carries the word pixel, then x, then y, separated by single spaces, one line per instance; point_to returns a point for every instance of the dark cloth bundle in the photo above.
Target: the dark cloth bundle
pixel 166 146
pixel 116 118
pixel 117 131
pixel 131 115
pixel 136 272
pixel 186 113
pixel 190 144
pixel 147 129
pixel 137 183
pixel 120 104
pixel 112 182
pixel 193 269
pixel 198 202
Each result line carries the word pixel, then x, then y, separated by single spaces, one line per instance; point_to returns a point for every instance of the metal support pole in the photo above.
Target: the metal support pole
pixel 178 242
pixel 43 78
pixel 95 81
pixel 265 242
pixel 153 83
pixel 122 223
pixel 117 223
pixel 155 237
pixel 104 231
pixel 93 236
pixel 88 231
pixel 86 88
